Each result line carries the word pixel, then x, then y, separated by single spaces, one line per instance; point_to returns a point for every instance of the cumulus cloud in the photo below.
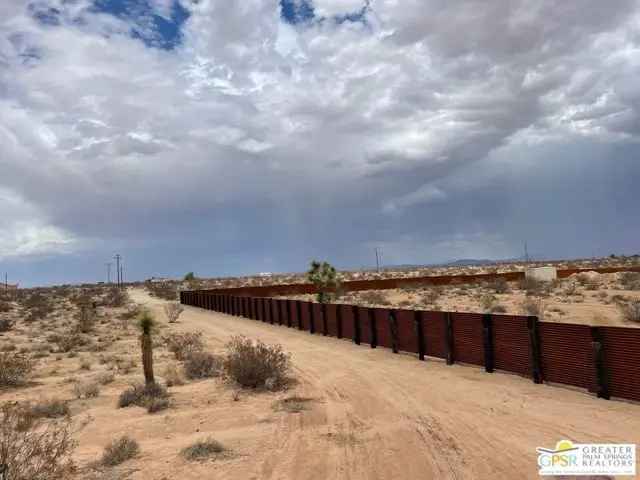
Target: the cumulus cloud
pixel 275 142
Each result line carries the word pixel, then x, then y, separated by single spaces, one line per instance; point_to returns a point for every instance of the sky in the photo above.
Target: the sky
pixel 229 138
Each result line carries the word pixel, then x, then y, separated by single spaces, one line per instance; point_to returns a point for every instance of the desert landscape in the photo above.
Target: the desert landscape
pixel 337 410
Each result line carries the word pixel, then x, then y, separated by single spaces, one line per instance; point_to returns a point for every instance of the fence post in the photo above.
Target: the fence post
pixel 299 314
pixel 487 341
pixel 448 341
pixel 393 326
pixel 534 349
pixel 263 308
pixel 323 312
pixel 270 308
pixel 373 331
pixel 356 324
pixel 312 323
pixel 602 381
pixel 339 319
pixel 417 318
pixel 276 304
pixel 288 304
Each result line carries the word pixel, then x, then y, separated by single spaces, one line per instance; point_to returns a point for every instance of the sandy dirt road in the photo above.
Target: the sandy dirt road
pixel 376 415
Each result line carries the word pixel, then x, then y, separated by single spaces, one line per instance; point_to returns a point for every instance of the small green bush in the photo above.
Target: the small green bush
pixel 184 344
pixel 14 369
pixel 201 365
pixel 141 395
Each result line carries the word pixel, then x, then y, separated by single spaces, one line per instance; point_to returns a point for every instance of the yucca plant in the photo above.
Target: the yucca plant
pixel 146 323
pixel 325 277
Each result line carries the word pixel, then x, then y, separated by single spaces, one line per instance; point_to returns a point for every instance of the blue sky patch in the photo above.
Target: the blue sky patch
pixel 154 30
pixel 301 11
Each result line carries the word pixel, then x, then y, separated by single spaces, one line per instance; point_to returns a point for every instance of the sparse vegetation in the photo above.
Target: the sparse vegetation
pixel 631 311
pixel 293 404
pixel 172 311
pixel 53 408
pixel 326 280
pixel 119 451
pixel 87 389
pixel 203 450
pixel 31 449
pixel 499 285
pixel 487 302
pixel 373 297
pixel 202 365
pixel 533 306
pixel 630 280
pixel 172 376
pixel 183 344
pixel 256 364
pixel 14 369
pixel 6 324
pixel 142 395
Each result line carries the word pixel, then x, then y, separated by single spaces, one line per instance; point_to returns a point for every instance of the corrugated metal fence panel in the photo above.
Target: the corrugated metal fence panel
pixel 622 360
pixel 332 320
pixel 347 321
pixel 317 316
pixel 407 338
pixel 511 344
pixel 567 354
pixel 365 325
pixel 304 311
pixel 467 338
pixel 434 333
pixel 382 327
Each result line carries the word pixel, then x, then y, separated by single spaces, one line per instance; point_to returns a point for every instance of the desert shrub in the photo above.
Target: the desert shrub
pixel 183 344
pixel 374 297
pixel 431 296
pixel 534 287
pixel 172 376
pixel 115 297
pixel 14 369
pixel 53 408
pixel 6 324
pixel 631 311
pixel 172 311
pixel 69 342
pixel 85 364
pixel 4 306
pixel 105 378
pixel 119 451
pixel 487 302
pixel 201 365
pixel 31 449
pixel 256 364
pixel 86 318
pixel 141 395
pixel 293 404
pixel 499 285
pixel 89 389
pixel 497 308
pixel 157 404
pixel 630 280
pixel 532 306
pixel 203 449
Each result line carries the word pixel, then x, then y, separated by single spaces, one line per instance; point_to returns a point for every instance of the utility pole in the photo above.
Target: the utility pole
pixel 526 252
pixel 121 276
pixel 378 256
pixel 118 257
pixel 6 282
pixel 108 265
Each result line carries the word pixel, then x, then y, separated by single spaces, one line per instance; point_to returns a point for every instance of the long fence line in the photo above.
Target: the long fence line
pixel 603 360
pixel 406 282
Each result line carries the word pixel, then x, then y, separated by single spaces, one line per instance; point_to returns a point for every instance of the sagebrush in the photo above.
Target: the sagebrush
pixel 256 364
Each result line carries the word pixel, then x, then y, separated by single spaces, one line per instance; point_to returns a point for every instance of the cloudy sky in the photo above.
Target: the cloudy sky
pixel 233 137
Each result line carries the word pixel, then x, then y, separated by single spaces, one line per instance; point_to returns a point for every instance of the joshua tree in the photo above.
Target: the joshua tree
pixel 325 278
pixel 146 324
pixel 189 277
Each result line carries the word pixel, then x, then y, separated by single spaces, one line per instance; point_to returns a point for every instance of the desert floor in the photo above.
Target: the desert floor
pixel 369 414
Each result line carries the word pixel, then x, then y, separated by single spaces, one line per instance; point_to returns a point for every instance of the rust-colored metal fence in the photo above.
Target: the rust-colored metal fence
pixel 603 360
pixel 391 283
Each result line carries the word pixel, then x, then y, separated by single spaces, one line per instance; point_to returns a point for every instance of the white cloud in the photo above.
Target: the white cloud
pixel 329 8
